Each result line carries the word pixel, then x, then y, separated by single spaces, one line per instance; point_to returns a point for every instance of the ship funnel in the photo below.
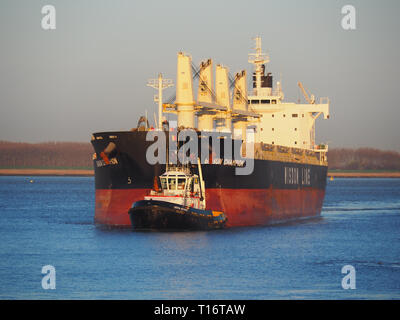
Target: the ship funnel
pixel 205 120
pixel 184 92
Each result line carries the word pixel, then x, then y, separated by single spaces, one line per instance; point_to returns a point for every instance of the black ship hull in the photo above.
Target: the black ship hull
pixel 276 190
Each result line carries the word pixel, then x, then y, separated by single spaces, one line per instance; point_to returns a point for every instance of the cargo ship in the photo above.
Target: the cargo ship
pixel 283 170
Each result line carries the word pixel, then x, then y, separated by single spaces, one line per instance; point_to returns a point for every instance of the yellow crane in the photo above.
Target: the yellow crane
pixel 310 100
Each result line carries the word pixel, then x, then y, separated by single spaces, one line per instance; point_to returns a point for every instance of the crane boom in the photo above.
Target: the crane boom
pixel 305 94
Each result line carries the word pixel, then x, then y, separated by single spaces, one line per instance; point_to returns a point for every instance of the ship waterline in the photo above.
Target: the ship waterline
pixel 243 207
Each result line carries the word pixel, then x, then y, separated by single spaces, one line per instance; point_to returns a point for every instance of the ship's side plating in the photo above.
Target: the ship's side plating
pixel 276 190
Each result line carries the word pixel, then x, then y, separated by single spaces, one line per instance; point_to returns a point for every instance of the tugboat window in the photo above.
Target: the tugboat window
pixel 172 183
pixel 163 183
pixel 181 184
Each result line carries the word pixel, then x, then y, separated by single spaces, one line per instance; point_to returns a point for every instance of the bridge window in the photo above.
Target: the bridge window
pixel 273 101
pixel 265 101
pixel 164 183
pixel 172 183
pixel 255 101
pixel 294 115
pixel 295 142
pixel 181 184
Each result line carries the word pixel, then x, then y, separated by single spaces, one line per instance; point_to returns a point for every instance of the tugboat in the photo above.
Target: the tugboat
pixel 180 204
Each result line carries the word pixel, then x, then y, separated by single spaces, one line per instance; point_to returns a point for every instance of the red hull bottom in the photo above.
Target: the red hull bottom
pixel 243 207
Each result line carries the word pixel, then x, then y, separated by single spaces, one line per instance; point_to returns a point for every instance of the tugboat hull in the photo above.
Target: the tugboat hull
pixel 160 215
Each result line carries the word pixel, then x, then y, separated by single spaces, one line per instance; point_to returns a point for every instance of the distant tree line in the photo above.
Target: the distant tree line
pixel 79 155
pixel 363 159
pixel 45 155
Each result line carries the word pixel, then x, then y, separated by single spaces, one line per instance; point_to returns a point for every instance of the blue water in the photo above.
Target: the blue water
pixel 50 222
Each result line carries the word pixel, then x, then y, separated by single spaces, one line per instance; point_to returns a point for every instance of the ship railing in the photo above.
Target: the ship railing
pixel 267 147
pixel 184 169
pixel 297 151
pixel 321 151
pixel 283 149
pixel 323 100
pixel 321 148
pixel 287 154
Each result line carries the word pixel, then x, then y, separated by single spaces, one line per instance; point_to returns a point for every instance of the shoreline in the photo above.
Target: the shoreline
pixel 364 174
pixel 88 173
pixel 46 172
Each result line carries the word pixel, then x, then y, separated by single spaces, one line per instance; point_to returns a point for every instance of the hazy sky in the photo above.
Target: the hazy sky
pixel 90 73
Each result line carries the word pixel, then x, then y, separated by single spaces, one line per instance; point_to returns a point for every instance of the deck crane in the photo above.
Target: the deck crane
pixel 306 96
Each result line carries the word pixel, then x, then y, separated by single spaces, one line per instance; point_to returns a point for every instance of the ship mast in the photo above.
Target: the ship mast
pixel 159 84
pixel 258 59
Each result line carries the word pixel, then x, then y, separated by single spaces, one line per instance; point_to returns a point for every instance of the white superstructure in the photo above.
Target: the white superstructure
pixel 180 186
pixel 275 122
